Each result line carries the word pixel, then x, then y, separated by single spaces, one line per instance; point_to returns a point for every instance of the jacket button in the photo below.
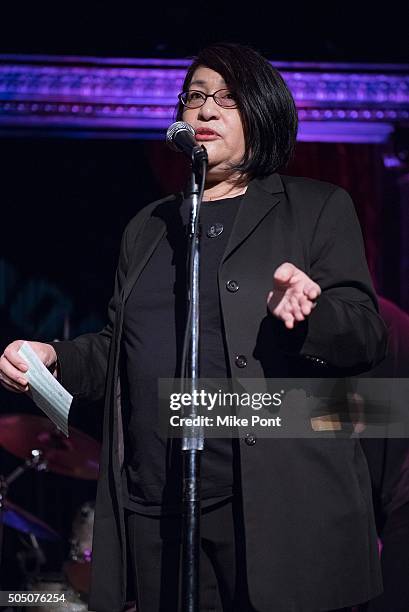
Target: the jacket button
pixel 250 439
pixel 215 230
pixel 241 361
pixel 232 286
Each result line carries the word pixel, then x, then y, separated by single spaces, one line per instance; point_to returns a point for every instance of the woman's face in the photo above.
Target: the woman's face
pixel 219 129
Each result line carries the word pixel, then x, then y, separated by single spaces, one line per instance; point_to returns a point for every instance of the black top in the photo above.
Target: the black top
pixel 154 324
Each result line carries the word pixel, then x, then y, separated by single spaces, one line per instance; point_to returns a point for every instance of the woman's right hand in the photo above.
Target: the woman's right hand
pixel 13 366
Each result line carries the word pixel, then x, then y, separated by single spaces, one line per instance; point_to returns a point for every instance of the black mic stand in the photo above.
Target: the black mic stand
pixel 193 440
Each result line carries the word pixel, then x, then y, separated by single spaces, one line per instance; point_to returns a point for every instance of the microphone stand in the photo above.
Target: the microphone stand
pixel 193 440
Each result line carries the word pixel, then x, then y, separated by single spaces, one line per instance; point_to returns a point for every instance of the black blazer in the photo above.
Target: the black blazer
pixel 310 535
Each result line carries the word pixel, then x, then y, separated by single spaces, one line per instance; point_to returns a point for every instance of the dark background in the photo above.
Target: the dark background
pixel 306 31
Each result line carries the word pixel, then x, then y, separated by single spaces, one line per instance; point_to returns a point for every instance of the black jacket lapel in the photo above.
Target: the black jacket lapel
pixel 260 198
pixel 145 245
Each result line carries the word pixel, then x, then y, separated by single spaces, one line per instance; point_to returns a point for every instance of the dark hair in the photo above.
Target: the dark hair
pixel 265 103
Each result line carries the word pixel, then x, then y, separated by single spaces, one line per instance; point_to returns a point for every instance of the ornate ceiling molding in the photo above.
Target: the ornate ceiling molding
pixel 125 98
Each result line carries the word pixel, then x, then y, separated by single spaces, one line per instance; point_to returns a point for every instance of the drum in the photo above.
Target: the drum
pixel 81 537
pixel 78 568
pixel 65 597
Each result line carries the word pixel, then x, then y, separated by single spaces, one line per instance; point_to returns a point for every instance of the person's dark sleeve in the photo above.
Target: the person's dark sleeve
pixel 344 330
pixel 82 362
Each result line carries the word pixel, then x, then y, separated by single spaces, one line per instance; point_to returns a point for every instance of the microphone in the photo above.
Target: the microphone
pixel 181 137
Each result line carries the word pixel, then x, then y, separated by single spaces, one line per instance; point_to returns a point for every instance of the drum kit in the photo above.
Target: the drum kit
pixel 43 447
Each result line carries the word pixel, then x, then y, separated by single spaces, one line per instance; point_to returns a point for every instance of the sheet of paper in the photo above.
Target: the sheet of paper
pixel 46 391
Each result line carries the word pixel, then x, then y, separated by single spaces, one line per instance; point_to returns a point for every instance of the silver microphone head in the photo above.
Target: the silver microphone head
pixel 174 129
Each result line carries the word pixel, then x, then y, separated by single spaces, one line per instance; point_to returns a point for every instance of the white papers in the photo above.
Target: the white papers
pixel 46 391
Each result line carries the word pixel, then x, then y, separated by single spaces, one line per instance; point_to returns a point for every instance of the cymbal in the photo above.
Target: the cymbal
pixel 17 518
pixel 76 456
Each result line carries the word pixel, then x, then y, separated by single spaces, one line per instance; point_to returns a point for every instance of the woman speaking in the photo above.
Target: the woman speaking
pixel 286 524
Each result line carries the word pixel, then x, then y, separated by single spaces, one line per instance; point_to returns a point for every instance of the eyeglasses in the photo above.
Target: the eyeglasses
pixel 196 99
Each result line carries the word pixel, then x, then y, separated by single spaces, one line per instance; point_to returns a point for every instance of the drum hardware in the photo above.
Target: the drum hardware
pixel 32 559
pixel 43 447
pixel 17 518
pixel 31 435
pixel 78 567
